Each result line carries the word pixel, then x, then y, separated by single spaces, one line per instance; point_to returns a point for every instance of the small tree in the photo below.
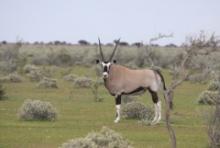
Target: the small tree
pixel 95 87
pixel 196 46
pixel 83 42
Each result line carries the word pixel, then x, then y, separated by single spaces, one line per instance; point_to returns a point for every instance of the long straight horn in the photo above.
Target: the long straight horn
pixel 113 53
pixel 100 49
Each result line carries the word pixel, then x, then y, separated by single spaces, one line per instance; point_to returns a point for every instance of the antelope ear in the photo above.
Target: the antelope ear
pixel 114 61
pixel 97 61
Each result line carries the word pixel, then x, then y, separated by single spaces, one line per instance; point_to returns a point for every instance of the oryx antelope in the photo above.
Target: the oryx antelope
pixel 120 80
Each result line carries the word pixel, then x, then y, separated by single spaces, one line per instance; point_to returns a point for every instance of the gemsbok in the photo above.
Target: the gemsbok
pixel 120 80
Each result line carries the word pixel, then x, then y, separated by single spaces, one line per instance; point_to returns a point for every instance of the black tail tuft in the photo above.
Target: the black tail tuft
pixel 164 87
pixel 162 78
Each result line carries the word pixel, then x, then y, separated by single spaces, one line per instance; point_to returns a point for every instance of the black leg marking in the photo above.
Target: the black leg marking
pixel 154 96
pixel 139 89
pixel 118 100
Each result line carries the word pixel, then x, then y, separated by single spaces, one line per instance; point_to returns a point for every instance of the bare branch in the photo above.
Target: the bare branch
pixel 160 36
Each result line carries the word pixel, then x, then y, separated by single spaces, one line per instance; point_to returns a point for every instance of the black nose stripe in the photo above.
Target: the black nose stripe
pixel 105 69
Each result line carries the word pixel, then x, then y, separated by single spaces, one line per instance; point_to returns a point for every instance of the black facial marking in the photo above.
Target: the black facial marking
pixel 105 69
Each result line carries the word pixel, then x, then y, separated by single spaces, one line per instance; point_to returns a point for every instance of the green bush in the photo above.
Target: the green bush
pixel 83 82
pixel 70 77
pixel 214 85
pixel 207 97
pixel 106 138
pixel 47 83
pixel 136 110
pixel 13 77
pixel 37 110
pixel 28 68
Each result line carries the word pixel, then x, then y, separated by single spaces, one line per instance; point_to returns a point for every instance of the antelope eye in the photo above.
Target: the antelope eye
pixel 97 61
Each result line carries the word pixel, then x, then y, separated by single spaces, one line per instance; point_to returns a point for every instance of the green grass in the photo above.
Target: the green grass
pixel 78 115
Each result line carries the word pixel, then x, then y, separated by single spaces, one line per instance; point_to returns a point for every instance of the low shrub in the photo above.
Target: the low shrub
pixel 214 85
pixel 199 78
pixel 106 138
pixel 47 83
pixel 13 77
pixel 29 67
pixel 70 77
pixel 35 75
pixel 8 66
pixel 37 110
pixel 136 110
pixel 207 97
pixel 83 82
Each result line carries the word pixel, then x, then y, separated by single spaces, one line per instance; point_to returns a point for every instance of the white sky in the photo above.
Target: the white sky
pixel 131 20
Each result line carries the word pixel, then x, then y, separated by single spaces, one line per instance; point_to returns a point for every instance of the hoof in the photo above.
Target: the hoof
pixel 116 120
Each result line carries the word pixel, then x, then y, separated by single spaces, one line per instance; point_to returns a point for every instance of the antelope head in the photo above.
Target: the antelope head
pixel 106 63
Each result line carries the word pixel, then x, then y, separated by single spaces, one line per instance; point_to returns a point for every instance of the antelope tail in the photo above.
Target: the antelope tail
pixel 164 87
pixel 162 78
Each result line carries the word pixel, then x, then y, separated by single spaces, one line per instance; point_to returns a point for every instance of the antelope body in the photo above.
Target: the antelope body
pixel 120 80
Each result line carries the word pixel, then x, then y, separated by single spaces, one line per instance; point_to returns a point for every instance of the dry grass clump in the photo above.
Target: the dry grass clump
pixel 13 77
pixel 106 138
pixel 83 82
pixel 136 110
pixel 207 97
pixel 47 83
pixel 37 110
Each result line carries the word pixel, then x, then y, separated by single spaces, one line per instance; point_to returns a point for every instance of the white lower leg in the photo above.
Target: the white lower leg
pixel 118 107
pixel 159 111
pixel 156 113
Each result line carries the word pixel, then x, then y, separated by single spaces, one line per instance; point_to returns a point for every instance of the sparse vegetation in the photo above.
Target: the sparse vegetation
pixel 80 114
